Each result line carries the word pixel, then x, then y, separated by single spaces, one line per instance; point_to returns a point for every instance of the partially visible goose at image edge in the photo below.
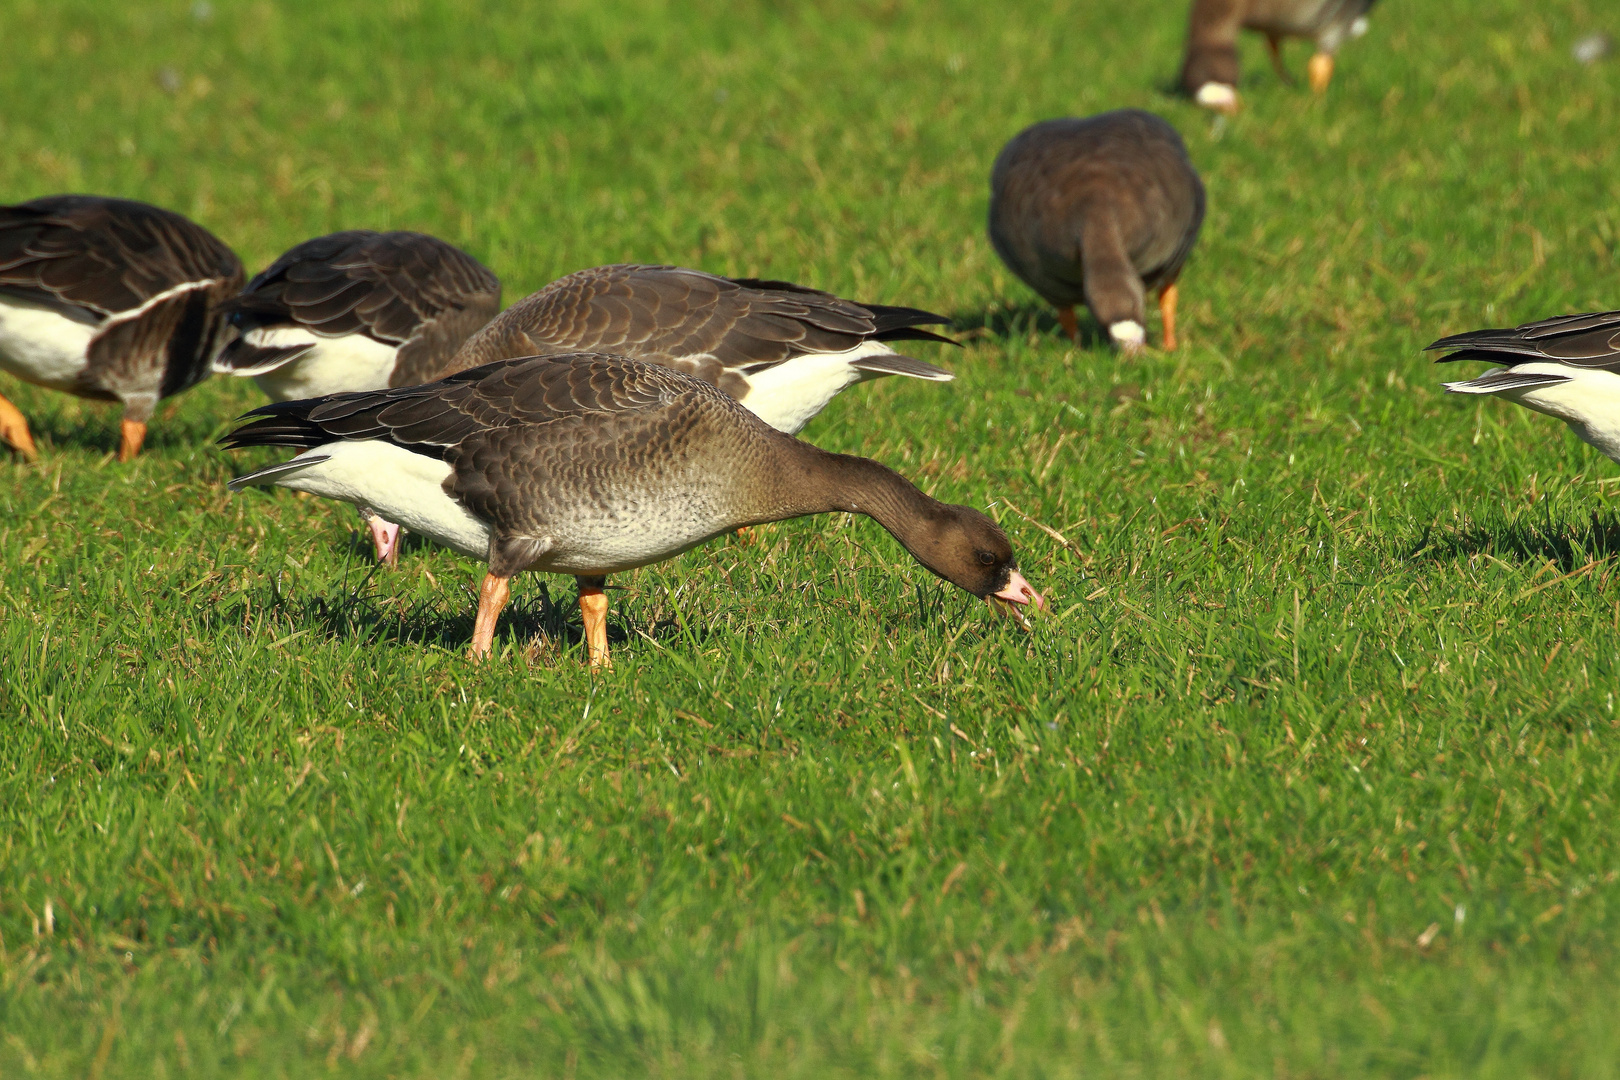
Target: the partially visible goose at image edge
pixel 1567 367
pixel 1099 211
pixel 783 350
pixel 108 299
pixel 1209 73
pixel 358 310
pixel 591 465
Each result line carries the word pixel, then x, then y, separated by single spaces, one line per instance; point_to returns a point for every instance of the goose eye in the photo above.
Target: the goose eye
pixel 986 559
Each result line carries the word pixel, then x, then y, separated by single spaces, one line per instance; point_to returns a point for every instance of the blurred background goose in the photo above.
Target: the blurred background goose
pixel 108 299
pixel 782 350
pixel 1210 71
pixel 592 465
pixel 1568 367
pixel 1099 211
pixel 359 310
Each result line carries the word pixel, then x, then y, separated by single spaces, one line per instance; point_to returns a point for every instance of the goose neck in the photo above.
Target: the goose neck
pixel 857 485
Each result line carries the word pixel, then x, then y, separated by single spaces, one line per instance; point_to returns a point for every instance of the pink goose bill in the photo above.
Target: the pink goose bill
pixel 1020 591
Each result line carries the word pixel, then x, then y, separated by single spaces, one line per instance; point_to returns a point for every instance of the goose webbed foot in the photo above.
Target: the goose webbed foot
pixel 492 597
pixel 1167 314
pixel 593 607
pixel 384 537
pixel 1320 71
pixel 14 431
pixel 131 434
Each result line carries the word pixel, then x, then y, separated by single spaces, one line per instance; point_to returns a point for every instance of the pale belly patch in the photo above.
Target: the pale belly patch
pixel 41 345
pixel 639 532
pixel 333 365
pixel 1589 402
pixel 402 487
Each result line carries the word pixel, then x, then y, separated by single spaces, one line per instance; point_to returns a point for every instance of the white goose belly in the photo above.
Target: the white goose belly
pixel 333 365
pixel 400 486
pixel 39 344
pixel 1589 402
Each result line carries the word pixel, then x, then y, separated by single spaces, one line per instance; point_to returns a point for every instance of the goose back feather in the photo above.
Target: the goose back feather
pixel 358 310
pixel 781 349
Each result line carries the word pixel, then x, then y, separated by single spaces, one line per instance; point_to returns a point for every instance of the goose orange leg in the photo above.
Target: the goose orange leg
pixel 131 434
pixel 593 606
pixel 1167 313
pixel 492 597
pixel 14 431
pixel 1071 325
pixel 1320 71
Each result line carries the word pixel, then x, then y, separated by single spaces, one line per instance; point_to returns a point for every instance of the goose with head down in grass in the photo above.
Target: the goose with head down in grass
pixel 1567 367
pixel 591 465
pixel 1209 73
pixel 1099 211
pixel 781 349
pixel 359 310
pixel 108 299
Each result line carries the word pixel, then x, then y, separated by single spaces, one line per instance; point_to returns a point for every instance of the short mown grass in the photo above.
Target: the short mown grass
pixel 1310 770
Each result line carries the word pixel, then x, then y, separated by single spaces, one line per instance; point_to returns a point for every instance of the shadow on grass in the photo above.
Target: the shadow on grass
pixel 1569 545
pixel 1008 323
pixel 96 434
pixel 542 618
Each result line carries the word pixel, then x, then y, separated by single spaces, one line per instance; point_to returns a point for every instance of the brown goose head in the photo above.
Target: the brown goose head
pixel 969 550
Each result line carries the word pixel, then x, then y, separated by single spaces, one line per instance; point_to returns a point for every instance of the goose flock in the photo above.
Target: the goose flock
pixel 625 414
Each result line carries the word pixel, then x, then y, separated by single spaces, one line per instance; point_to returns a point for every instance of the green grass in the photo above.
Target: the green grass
pixel 1310 772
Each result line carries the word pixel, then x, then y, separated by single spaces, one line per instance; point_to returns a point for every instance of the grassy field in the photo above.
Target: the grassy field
pixel 1311 770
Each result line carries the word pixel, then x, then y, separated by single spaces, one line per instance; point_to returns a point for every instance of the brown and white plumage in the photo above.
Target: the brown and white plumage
pixel 109 299
pixel 589 465
pixel 358 310
pixel 1567 367
pixel 1098 211
pixel 781 349
pixel 1209 73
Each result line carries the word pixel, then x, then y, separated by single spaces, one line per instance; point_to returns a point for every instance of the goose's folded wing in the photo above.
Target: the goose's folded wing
pixel 671 315
pixel 438 417
pixel 106 255
pixel 1585 340
pixel 385 285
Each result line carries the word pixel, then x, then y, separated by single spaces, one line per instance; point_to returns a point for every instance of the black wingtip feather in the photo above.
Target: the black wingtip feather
pixel 1491 356
pixel 888 317
pixel 281 423
pixel 912 333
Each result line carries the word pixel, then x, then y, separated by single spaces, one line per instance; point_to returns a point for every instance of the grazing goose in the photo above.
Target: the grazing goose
pixel 1568 367
pixel 1098 211
pixel 108 299
pixel 782 350
pixel 591 465
pixel 1210 71
pixel 359 310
